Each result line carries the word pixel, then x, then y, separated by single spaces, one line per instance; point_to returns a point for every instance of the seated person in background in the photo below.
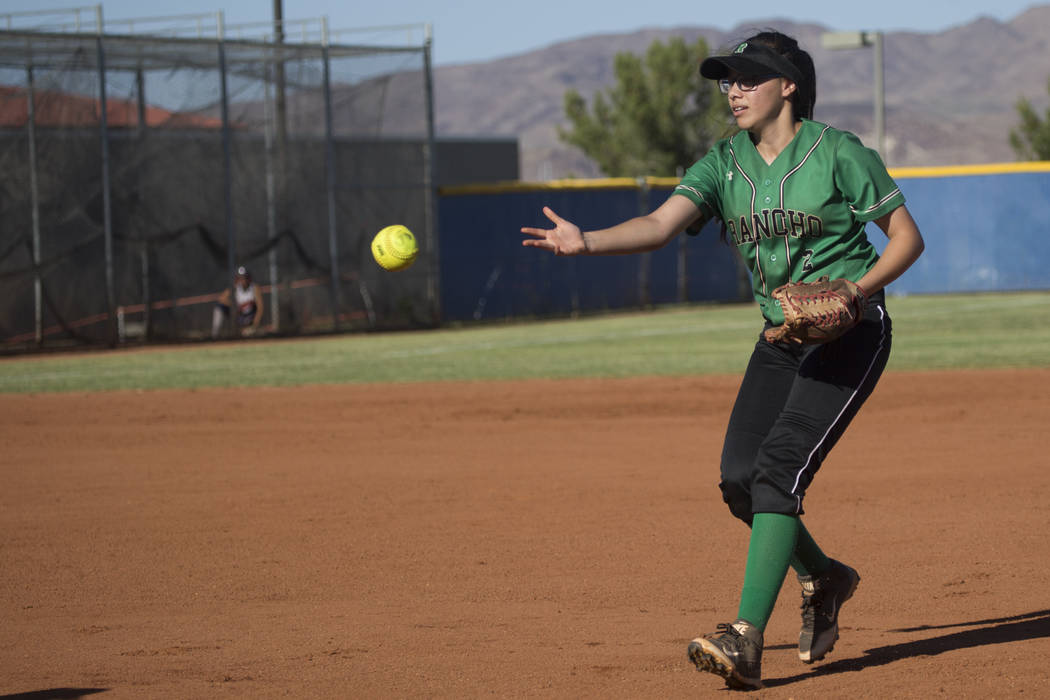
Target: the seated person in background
pixel 249 303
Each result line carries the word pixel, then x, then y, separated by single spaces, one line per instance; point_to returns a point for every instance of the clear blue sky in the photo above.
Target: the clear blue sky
pixel 473 30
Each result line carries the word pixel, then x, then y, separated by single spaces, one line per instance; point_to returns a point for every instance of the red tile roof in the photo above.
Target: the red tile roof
pixel 62 109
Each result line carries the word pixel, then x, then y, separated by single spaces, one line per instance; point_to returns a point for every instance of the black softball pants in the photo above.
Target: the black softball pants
pixel 793 405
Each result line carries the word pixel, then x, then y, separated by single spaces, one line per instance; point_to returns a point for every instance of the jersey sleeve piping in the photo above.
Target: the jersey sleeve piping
pixel 880 207
pixel 697 197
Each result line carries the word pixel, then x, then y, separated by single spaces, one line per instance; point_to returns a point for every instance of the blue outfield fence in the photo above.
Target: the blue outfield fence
pixel 983 227
pixel 486 272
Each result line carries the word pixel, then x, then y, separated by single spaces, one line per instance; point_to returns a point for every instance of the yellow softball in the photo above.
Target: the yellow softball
pixel 395 248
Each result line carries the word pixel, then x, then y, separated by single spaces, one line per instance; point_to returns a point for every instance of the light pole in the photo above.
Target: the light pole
pixel 856 40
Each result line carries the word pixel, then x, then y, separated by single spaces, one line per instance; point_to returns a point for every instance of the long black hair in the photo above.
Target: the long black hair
pixel 806 93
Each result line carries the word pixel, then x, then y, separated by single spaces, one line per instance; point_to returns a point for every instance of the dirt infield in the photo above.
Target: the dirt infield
pixel 537 539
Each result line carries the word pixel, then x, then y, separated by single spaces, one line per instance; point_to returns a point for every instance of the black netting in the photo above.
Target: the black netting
pixel 134 223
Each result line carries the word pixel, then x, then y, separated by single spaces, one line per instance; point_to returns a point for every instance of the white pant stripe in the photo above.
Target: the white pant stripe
pixel 809 459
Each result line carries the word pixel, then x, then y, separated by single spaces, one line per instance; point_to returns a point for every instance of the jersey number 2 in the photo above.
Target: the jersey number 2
pixel 807 261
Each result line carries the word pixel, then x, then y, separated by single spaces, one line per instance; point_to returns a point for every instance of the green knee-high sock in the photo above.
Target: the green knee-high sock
pixel 808 559
pixel 773 538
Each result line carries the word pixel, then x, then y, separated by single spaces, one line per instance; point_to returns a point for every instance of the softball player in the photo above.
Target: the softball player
pixel 248 300
pixel 794 196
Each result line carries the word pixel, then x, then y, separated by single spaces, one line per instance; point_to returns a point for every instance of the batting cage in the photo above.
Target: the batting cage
pixel 123 218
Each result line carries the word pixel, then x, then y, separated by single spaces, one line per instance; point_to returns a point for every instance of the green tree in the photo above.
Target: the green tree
pixel 1031 139
pixel 660 115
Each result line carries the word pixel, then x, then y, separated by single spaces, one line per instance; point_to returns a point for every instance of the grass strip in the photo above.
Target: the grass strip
pixel 930 332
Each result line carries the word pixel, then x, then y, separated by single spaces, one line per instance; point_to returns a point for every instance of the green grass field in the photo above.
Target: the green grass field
pixel 930 332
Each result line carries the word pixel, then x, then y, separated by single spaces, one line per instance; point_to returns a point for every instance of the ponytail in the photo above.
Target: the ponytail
pixel 806 88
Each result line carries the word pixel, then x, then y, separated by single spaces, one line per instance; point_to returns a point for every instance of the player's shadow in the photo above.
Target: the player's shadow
pixel 54 694
pixel 1016 628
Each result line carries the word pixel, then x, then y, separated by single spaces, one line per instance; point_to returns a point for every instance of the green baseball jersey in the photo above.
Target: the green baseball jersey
pixel 801 217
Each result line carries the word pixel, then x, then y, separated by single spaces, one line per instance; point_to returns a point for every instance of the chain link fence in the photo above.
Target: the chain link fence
pixel 121 219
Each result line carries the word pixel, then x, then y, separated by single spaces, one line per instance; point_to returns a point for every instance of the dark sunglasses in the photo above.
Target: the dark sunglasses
pixel 748 83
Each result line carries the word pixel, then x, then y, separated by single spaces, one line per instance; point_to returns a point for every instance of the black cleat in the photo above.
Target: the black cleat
pixel 735 654
pixel 822 598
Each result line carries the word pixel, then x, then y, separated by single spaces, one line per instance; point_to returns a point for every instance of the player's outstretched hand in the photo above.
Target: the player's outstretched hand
pixel 564 239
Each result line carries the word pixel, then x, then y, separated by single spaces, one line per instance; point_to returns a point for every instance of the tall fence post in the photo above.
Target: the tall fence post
pixel 330 183
pixel 645 260
pixel 430 232
pixel 34 204
pixel 280 173
pixel 107 206
pixel 227 174
pixel 140 135
pixel 271 204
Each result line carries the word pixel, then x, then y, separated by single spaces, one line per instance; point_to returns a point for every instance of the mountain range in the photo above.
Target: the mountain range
pixel 950 97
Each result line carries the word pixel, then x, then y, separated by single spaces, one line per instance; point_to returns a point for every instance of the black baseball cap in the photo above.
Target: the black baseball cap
pixel 750 58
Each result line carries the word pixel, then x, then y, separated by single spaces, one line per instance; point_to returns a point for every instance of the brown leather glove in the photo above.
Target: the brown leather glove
pixel 817 312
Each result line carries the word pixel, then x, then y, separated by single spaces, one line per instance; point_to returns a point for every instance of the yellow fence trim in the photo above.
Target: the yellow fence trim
pixel 602 183
pixel 1038 166
pixel 631 183
pixel 609 183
